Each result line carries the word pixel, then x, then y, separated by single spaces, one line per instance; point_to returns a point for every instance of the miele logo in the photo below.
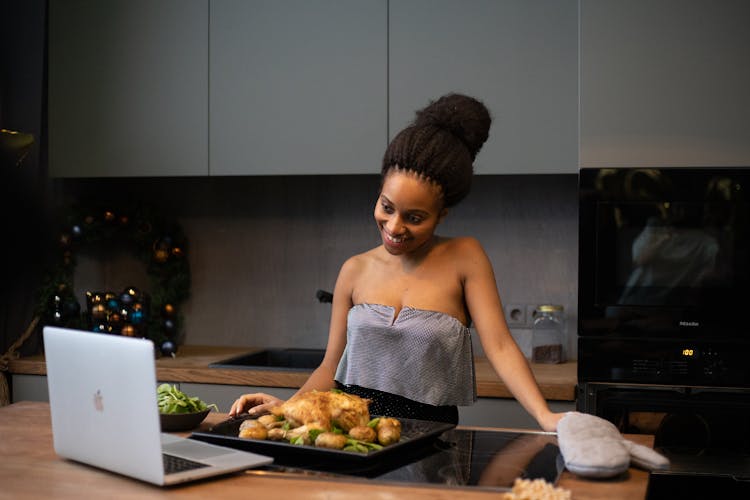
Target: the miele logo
pixel 689 323
pixel 98 401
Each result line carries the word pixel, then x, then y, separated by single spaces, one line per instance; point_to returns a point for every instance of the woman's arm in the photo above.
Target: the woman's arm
pixel 486 310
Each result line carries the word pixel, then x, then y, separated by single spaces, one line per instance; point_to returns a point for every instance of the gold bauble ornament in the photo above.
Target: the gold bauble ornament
pixel 99 311
pixel 161 255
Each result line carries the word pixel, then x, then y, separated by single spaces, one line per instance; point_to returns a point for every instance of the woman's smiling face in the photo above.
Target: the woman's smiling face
pixel 407 212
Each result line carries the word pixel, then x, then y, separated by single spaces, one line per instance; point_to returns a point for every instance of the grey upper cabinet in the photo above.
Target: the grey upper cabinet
pixel 665 83
pixel 128 88
pixel 297 87
pixel 519 57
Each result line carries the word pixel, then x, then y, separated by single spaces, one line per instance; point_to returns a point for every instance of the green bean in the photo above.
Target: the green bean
pixel 172 400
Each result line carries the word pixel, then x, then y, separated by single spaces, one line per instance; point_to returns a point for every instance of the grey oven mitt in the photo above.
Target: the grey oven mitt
pixel 593 447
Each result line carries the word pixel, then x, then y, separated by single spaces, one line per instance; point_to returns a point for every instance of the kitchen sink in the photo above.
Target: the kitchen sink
pixel 275 359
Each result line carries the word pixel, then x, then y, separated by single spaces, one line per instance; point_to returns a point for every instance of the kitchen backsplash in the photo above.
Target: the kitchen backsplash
pixel 260 247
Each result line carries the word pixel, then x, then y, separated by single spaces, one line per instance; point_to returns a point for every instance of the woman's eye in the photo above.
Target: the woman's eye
pixel 415 219
pixel 387 208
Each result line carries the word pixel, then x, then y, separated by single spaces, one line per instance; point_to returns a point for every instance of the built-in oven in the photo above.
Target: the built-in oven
pixel 663 302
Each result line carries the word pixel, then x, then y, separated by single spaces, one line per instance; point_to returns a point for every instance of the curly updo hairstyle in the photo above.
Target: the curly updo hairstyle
pixel 441 144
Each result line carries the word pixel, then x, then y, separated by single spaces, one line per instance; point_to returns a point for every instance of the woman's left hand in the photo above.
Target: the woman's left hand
pixel 548 422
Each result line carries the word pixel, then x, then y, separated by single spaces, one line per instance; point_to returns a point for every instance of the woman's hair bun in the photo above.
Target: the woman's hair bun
pixel 463 116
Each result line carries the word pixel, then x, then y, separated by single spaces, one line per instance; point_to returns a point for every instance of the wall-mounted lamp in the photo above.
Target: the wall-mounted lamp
pixel 14 146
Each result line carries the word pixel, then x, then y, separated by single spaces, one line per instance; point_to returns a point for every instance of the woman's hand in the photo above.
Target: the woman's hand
pixel 548 421
pixel 255 404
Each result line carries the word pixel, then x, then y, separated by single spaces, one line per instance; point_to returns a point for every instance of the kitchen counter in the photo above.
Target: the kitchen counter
pixel 557 382
pixel 30 469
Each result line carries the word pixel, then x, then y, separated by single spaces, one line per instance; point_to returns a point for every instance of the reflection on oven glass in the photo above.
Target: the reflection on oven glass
pixel 458 458
pixel 449 463
pixel 670 249
pixel 516 459
pixel 484 459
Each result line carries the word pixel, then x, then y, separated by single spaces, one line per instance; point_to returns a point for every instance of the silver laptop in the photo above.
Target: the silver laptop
pixel 102 393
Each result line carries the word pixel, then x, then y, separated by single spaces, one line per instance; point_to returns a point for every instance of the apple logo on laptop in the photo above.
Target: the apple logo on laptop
pixel 98 401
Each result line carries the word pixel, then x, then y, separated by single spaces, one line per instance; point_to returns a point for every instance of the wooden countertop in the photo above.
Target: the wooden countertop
pixel 557 382
pixel 30 469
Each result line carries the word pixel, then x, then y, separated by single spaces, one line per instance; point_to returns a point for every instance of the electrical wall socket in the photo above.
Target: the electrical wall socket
pixel 531 314
pixel 521 315
pixel 515 315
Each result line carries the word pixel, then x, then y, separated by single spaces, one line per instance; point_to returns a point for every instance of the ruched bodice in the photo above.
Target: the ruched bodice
pixel 418 354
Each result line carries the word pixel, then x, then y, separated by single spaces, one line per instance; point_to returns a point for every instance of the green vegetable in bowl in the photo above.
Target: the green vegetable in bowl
pixel 172 400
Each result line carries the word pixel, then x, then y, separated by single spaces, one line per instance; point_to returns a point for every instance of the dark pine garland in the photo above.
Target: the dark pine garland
pixel 157 242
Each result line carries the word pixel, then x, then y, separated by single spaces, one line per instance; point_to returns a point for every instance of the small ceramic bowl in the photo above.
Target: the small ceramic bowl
pixel 173 422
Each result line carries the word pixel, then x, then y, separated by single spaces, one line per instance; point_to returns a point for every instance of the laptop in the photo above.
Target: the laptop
pixel 102 394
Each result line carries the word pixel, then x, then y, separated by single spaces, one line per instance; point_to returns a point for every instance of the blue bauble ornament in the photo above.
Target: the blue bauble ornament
pixel 136 316
pixel 168 348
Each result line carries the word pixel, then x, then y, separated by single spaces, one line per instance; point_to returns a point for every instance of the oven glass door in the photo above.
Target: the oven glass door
pixel 664 253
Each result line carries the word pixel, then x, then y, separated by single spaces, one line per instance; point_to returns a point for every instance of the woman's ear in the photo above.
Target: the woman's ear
pixel 442 215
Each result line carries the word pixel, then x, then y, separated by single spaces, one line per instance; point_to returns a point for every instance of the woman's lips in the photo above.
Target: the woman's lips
pixel 394 241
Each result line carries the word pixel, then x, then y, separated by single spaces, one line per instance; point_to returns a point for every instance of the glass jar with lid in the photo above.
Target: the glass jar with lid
pixel 547 335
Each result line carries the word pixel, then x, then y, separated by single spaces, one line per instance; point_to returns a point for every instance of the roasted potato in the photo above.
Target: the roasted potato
pixel 363 433
pixel 252 429
pixel 277 434
pixel 389 430
pixel 388 422
pixel 330 440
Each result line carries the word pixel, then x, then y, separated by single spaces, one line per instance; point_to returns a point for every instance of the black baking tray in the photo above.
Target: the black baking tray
pixel 414 434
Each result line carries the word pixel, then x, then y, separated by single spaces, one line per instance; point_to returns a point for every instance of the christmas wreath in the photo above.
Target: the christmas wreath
pixel 157 242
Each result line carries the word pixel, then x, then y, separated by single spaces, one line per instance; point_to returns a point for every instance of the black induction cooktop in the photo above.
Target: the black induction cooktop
pixel 460 458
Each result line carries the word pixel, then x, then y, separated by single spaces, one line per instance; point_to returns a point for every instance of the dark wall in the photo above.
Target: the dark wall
pixel 260 246
pixel 24 184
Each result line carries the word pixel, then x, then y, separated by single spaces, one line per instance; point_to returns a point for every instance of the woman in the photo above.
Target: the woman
pixel 399 331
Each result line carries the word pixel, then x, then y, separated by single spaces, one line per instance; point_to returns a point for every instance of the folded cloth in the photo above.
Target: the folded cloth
pixel 593 447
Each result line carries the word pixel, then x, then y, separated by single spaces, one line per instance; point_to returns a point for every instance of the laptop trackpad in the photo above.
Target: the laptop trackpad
pixel 194 450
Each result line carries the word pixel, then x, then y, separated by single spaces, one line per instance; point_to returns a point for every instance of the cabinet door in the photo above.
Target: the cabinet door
pixel 519 57
pixel 297 87
pixel 128 88
pixel 665 83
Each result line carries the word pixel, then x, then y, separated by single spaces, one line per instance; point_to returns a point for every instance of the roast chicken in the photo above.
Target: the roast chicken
pixel 323 410
pixel 332 419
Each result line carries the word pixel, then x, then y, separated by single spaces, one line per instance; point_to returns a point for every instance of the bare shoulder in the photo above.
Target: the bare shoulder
pixel 464 247
pixel 357 264
pixel 468 257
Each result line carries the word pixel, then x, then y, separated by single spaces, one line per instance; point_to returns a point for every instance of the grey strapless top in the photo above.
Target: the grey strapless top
pixel 422 355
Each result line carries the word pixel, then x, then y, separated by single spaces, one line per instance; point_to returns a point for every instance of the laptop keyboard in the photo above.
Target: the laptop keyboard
pixel 174 464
